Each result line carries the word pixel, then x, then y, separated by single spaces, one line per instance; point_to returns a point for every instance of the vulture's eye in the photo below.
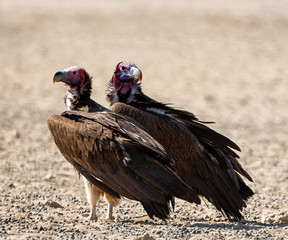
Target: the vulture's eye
pixel 123 68
pixel 74 73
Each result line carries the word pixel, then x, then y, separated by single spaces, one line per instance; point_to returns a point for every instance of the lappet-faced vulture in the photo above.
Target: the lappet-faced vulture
pixel 204 159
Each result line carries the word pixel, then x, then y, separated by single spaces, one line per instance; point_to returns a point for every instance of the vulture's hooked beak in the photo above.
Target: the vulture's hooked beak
pixel 58 76
pixel 133 74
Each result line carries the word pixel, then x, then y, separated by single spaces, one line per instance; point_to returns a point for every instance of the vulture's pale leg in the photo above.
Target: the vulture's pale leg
pixel 111 202
pixel 93 195
pixel 109 210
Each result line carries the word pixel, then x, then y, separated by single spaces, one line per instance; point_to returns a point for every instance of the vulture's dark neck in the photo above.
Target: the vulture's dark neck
pixel 113 96
pixel 78 98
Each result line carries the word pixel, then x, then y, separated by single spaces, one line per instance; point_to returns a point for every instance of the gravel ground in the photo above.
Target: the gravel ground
pixel 225 61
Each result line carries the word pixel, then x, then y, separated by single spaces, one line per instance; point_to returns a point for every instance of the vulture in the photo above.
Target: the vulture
pixel 204 159
pixel 79 99
pixel 114 153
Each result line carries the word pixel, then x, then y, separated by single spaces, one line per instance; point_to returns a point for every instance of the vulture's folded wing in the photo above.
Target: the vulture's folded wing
pixel 200 162
pixel 217 144
pixel 118 160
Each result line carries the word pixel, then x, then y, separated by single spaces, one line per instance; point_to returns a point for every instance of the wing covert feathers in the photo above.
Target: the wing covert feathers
pixel 120 158
pixel 203 158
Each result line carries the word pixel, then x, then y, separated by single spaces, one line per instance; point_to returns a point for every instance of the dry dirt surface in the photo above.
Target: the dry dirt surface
pixel 225 61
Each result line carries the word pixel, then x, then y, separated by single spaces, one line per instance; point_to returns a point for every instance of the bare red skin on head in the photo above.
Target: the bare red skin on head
pixel 77 74
pixel 121 86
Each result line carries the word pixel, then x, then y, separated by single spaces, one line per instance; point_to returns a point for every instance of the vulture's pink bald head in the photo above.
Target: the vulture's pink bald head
pixel 125 76
pixel 73 76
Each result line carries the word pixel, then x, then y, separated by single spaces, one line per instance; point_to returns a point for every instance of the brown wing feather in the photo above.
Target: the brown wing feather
pixel 118 161
pixel 215 180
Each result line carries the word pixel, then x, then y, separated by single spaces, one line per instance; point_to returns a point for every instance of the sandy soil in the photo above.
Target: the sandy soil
pixel 225 61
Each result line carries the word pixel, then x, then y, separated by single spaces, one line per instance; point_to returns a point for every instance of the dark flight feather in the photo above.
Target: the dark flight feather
pixel 119 158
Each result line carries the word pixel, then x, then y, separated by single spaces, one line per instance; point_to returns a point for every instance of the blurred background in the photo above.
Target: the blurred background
pixel 225 61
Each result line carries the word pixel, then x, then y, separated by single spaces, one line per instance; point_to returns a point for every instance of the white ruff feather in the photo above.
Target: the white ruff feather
pixel 71 96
